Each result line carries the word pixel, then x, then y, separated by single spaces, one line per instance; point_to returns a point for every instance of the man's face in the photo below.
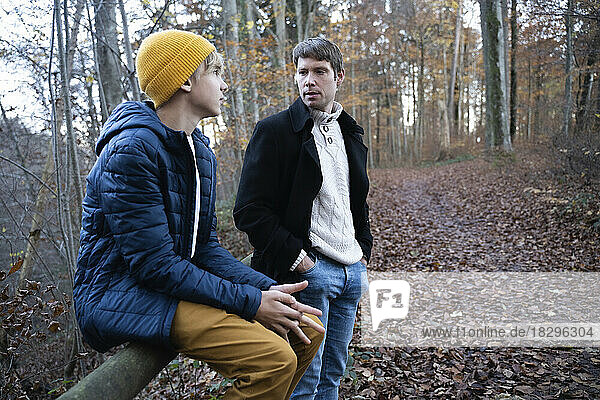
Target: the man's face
pixel 208 92
pixel 317 83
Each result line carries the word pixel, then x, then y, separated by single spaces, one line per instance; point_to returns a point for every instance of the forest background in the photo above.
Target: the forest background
pixel 430 81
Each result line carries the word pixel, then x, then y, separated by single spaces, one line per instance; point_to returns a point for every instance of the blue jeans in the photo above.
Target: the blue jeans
pixel 335 289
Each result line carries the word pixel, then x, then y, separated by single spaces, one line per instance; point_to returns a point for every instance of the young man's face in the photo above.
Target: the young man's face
pixel 317 83
pixel 208 90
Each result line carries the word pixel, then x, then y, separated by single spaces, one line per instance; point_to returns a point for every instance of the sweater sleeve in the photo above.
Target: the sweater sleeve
pixel 131 199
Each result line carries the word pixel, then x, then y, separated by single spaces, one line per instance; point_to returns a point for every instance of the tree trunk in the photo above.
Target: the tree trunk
pixel 41 200
pixel 108 53
pixel 513 69
pixel 568 58
pixel 370 133
pixel 585 111
pixel 231 22
pixel 413 153
pixel 299 23
pixel 402 144
pixel 73 160
pixel 250 13
pixel 421 110
pixel 497 130
pixel 386 75
pixel 36 222
pixel 311 6
pixel 123 375
pixel 448 106
pixel 135 90
pixel 459 85
pixel 451 87
pixel 280 31
pixel 529 100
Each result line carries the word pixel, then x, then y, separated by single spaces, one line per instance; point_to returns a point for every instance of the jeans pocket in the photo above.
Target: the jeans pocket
pixel 311 269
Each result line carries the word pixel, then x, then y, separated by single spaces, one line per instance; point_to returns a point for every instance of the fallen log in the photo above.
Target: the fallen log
pixel 123 375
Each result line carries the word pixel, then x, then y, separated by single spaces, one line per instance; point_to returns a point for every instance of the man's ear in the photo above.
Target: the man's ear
pixel 187 86
pixel 340 77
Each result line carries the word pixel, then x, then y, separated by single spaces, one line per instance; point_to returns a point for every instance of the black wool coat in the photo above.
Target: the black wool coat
pixel 281 177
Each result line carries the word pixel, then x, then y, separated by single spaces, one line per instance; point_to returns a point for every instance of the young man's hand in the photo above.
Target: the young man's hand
pixel 281 312
pixel 305 264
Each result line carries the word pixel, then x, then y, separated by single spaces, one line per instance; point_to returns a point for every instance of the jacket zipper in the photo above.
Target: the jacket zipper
pixel 191 200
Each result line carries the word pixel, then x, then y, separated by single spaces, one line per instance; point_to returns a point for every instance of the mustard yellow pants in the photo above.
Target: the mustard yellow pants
pixel 262 363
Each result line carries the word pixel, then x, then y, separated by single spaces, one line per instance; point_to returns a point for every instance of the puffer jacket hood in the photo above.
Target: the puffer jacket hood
pixel 136 115
pixel 129 115
pixel 134 263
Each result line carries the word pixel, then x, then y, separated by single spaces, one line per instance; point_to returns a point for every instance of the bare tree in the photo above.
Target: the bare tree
pixel 250 14
pixel 107 52
pixel 494 56
pixel 568 62
pixel 128 54
pixel 513 69
pixel 280 31
pixel 451 87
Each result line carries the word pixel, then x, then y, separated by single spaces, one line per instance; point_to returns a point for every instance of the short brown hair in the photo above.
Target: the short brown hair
pixel 320 49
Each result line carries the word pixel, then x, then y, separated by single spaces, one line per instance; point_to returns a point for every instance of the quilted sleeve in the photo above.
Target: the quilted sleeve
pixel 132 202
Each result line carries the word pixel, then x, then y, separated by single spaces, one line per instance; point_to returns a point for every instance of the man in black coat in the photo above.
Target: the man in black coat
pixel 302 202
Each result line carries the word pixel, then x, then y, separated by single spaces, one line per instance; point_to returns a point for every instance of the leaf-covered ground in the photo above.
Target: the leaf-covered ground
pixel 480 215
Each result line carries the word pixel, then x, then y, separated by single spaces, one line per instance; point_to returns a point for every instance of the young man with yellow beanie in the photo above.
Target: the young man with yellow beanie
pixel 150 266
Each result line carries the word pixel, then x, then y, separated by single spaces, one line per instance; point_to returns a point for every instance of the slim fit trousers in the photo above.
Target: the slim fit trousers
pixel 262 364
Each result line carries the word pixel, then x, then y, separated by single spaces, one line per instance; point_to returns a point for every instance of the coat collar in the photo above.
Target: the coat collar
pixel 299 115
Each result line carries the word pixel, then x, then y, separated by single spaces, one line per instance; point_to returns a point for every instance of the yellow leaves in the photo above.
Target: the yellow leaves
pixel 16 266
pixel 89 79
pixel 250 25
pixel 54 326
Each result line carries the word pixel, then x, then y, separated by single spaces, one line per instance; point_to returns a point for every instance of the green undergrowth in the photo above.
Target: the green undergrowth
pixel 461 158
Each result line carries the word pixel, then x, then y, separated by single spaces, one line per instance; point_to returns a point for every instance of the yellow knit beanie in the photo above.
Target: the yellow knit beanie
pixel 167 59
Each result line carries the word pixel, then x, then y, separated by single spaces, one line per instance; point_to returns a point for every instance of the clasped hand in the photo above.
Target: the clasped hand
pixel 282 313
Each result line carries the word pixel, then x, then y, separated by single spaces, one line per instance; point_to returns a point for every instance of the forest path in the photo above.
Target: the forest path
pixel 480 215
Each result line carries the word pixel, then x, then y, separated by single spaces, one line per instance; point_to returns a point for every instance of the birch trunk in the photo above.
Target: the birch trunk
pixel 299 23
pixel 280 31
pixel 529 114
pixel 568 59
pixel 513 69
pixel 448 105
pixel 391 111
pixel 451 87
pixel 135 90
pixel 250 18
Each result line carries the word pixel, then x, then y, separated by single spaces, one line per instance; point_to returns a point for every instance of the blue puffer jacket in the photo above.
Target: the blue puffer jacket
pixel 136 238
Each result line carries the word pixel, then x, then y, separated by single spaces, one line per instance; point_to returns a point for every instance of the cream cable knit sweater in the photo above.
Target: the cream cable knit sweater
pixel 332 230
